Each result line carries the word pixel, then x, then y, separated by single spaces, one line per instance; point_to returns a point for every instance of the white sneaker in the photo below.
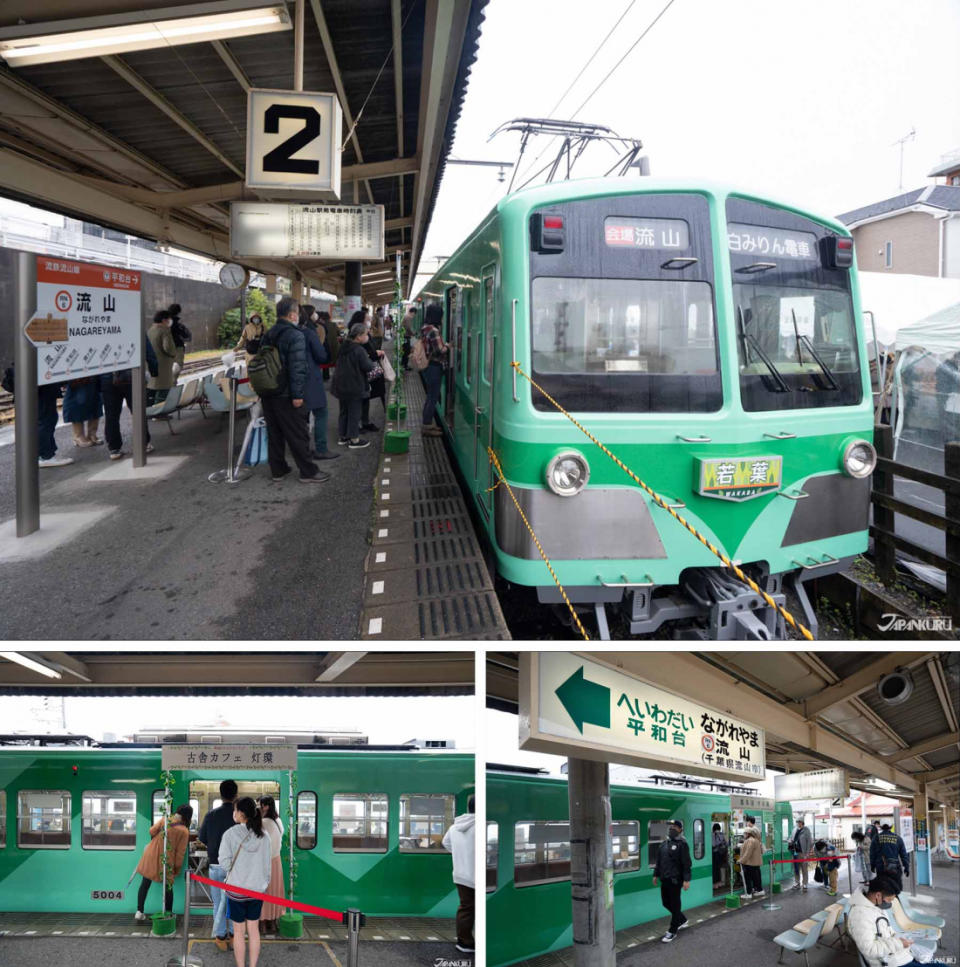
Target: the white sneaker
pixel 55 462
pixel 139 916
pixel 116 454
pixel 684 925
pixel 149 448
pixel 759 893
pixel 667 937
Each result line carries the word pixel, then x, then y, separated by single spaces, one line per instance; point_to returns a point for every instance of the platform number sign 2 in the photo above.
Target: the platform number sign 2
pixel 293 142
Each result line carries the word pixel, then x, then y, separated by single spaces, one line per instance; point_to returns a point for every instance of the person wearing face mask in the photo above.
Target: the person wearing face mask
pixel 751 857
pixel 315 397
pixel 888 856
pixel 166 351
pixel 869 925
pixel 672 869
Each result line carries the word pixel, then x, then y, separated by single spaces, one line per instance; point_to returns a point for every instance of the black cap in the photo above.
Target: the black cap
pixel 678 823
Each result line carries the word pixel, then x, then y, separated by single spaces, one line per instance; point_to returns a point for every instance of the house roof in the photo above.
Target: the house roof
pixel 946 197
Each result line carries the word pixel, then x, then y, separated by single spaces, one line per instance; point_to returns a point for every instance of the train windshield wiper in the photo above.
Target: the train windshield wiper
pixel 805 341
pixel 751 340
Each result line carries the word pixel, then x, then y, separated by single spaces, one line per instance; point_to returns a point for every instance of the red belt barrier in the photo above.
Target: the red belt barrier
pixel 279 901
pixel 815 859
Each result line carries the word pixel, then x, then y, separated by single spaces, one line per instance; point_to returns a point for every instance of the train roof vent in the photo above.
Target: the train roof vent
pixel 276 739
pixel 147 737
pixel 211 739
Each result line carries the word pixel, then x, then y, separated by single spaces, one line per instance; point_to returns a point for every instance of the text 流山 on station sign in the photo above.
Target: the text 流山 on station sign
pixel 191 756
pixel 574 705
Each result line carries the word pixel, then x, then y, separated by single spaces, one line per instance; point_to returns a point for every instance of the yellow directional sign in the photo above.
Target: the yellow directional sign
pixel 46 329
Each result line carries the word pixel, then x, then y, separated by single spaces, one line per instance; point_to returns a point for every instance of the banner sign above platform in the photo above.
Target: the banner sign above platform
pixel 203 758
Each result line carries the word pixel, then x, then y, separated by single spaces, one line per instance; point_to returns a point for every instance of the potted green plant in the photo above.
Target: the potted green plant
pixel 164 924
pixel 290 924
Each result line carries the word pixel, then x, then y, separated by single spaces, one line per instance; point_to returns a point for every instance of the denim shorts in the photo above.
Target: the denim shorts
pixel 240 910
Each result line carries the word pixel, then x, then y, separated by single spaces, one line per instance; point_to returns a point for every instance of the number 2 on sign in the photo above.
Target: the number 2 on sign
pixel 281 157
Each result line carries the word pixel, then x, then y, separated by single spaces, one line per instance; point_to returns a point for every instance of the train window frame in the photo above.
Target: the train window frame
pixel 494 869
pixel 655 842
pixel 769 836
pixel 699 839
pixel 365 797
pixel 489 324
pixel 3 818
pixel 525 884
pixel 89 794
pixel 446 821
pixel 299 837
pixel 66 812
pixel 784 831
pixel 154 818
pixel 632 864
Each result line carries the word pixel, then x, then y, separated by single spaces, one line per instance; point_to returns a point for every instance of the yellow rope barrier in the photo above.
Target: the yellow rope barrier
pixel 660 502
pixel 536 540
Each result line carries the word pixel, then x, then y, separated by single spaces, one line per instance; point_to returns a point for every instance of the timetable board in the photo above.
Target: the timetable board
pixel 280 230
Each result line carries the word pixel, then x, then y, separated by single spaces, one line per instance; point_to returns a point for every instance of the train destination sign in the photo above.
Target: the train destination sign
pixel 649 233
pixel 819 784
pixel 87 320
pixel 575 705
pixel 760 240
pixel 193 757
pixel 279 230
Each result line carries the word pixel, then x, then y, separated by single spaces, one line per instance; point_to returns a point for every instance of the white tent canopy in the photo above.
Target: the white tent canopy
pixel 938 333
pixel 898 300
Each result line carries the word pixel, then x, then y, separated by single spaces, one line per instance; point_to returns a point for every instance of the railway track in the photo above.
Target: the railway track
pixel 191 366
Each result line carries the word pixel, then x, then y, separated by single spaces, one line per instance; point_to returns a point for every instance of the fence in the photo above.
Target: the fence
pixel 886 505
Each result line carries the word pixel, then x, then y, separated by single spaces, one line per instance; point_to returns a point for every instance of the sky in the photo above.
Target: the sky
pixel 803 102
pixel 387 721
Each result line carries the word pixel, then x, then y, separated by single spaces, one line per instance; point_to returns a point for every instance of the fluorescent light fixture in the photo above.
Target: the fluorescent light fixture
pixel 61 40
pixel 33 664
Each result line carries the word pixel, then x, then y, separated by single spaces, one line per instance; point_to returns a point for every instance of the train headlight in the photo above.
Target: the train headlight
pixel 568 473
pixel 859 459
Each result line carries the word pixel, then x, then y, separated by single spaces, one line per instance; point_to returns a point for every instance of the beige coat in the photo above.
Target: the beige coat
pixel 151 864
pixel 162 341
pixel 751 852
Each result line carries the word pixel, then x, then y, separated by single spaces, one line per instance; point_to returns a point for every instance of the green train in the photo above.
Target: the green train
pixel 528 856
pixel 713 341
pixel 367 826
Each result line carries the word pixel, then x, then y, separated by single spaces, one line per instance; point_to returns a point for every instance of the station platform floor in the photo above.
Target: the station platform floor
pixel 718 937
pixel 163 553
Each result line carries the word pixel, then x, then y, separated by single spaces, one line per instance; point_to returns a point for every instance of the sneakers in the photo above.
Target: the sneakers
pixel 318 477
pixel 358 444
pixel 115 454
pixel 759 893
pixel 55 462
pixel 464 949
pixel 668 937
pixel 280 476
pixel 343 441
pixel 684 925
pixel 150 448
pixel 831 892
pixel 139 916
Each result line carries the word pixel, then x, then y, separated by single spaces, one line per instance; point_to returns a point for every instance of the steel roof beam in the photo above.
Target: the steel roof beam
pixel 335 663
pixel 233 65
pixel 927 745
pixel 859 681
pixel 945 772
pixel 160 102
pixel 943 691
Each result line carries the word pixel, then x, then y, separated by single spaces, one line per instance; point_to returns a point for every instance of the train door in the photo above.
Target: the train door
pixel 483 401
pixel 721 851
pixel 453 317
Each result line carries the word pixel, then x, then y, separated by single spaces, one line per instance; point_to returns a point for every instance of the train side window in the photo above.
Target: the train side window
pixel 656 834
pixel 360 822
pixel 699 840
pixel 541 853
pixel 306 820
pixel 469 361
pixel 768 835
pixel 3 818
pixel 156 806
pixel 626 846
pixel 493 851
pixel 423 821
pixel 109 820
pixel 43 819
pixel 488 328
pixel 785 829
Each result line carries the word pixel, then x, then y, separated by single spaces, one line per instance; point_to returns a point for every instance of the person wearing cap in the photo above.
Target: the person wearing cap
pixel 888 855
pixel 672 869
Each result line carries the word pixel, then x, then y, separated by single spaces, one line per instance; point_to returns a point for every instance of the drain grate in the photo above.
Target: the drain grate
pixel 434 527
pixel 445 549
pixel 433 507
pixel 458 577
pixel 470 617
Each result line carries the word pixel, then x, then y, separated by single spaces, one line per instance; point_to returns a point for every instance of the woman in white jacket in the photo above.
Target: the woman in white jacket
pixel 245 855
pixel 460 840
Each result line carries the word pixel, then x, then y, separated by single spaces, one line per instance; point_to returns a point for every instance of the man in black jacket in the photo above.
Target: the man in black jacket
pixel 214 825
pixel 287 418
pixel 673 870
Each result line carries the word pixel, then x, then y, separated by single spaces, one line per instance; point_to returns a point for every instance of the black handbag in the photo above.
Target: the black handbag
pixel 818 874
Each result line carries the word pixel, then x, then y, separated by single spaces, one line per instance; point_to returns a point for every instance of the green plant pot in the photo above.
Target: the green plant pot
pixel 777 888
pixel 396 413
pixel 164 924
pixel 396 441
pixel 732 901
pixel 290 925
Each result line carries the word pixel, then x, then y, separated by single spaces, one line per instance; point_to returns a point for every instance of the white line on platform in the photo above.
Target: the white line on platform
pixel 384 513
pixel 377 587
pixel 375 627
pixel 386 459
pixel 383 532
pixel 385 481
pixel 381 557
pixel 377 936
pixel 386 496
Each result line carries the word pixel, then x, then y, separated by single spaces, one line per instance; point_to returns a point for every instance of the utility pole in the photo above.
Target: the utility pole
pixel 902 141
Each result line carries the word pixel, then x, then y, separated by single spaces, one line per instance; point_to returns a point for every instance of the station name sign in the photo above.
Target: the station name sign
pixel 196 757
pixel 651 233
pixel 819 784
pixel 281 230
pixel 574 705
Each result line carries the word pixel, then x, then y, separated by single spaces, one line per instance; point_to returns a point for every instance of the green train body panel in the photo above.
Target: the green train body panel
pixel 530 920
pixel 525 438
pixel 380 884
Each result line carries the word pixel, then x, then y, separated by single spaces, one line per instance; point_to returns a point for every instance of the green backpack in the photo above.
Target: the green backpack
pixel 265 370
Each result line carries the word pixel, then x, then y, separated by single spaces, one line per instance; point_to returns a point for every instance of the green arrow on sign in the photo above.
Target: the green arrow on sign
pixel 585 701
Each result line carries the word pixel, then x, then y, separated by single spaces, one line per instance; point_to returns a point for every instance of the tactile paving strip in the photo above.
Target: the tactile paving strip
pixel 425 574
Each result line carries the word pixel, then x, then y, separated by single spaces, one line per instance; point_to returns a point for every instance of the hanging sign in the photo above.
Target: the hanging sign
pixel 573 705
pixel 279 230
pixel 819 784
pixel 87 320
pixel 752 804
pixel 293 141
pixel 202 758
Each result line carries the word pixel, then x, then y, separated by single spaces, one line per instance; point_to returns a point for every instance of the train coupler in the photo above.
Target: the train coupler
pixel 734 612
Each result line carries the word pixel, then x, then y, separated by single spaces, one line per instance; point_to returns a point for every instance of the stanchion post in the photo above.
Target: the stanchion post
pixel 26 404
pixel 849 874
pixel 354 918
pixel 186 959
pixel 771 905
pixel 232 431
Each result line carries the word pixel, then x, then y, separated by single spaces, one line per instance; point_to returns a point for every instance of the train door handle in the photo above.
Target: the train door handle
pixel 693 439
pixel 782 435
pixel 479 410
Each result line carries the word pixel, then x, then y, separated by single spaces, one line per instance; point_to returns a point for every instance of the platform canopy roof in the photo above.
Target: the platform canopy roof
pixel 153 142
pixel 819 709
pixel 231 672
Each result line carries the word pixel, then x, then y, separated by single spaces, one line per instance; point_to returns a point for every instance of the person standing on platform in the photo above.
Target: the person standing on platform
pixel 114 389
pixel 721 856
pixel 315 398
pixel 672 869
pixel 751 857
pixel 214 825
pixel 460 840
pixel 436 352
pixel 166 352
pixel 47 418
pixel 245 855
pixel 180 333
pixel 250 336
pixel 888 856
pixel 287 417
pixel 274 829
pixel 407 329
pixel 351 386
pixel 152 862
pixel 861 856
pixel 801 845
pixel 82 407
pixel 332 344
